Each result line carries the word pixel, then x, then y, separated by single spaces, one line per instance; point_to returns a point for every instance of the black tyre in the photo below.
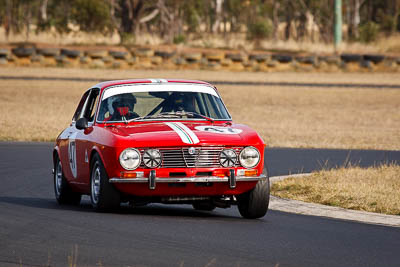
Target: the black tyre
pixel 164 54
pixel 49 52
pixel 207 206
pixel 347 58
pixel 23 51
pixel 70 53
pixel 235 57
pixel 103 195
pixel 118 54
pixel 62 190
pixel 374 58
pixel 306 59
pixel 4 53
pixel 254 204
pixel 259 57
pixel 282 58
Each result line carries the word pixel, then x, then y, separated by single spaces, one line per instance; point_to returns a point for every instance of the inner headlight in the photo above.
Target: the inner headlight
pixel 152 158
pixel 129 159
pixel 249 157
pixel 228 158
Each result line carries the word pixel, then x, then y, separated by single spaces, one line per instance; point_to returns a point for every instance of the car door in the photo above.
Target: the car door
pixel 83 139
pixel 68 143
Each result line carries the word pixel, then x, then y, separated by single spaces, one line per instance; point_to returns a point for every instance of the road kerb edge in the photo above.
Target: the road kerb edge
pixel 313 209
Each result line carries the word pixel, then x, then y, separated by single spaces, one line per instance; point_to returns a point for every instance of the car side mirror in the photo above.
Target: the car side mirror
pixel 81 124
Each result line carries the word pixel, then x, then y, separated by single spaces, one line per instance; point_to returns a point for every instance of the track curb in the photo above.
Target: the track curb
pixel 312 209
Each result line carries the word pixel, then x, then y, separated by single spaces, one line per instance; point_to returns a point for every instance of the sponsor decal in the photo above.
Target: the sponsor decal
pixel 218 129
pixel 187 136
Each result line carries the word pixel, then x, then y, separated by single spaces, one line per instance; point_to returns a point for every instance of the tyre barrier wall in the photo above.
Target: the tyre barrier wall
pixel 147 58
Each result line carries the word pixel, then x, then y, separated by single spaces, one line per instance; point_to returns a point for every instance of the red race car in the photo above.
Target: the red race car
pixel 162 141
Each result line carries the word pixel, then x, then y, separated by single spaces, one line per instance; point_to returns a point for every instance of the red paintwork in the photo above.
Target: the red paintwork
pixel 110 140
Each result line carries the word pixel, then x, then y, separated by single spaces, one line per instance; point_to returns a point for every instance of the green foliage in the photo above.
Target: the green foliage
pixel 235 12
pixel 259 30
pixel 388 24
pixel 92 15
pixel 172 17
pixel 369 32
pixel 127 38
pixel 193 12
pixel 58 13
pixel 179 39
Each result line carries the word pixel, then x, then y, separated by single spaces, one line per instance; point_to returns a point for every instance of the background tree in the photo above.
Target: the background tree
pixel 178 19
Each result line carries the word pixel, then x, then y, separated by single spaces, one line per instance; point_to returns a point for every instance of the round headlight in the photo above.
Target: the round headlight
pixel 228 158
pixel 129 159
pixel 249 157
pixel 152 158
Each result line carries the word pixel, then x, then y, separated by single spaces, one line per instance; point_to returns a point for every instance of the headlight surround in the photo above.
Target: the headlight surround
pixel 152 158
pixel 130 158
pixel 249 157
pixel 228 158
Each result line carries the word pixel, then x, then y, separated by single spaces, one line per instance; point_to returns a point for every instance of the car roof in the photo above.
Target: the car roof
pixel 106 84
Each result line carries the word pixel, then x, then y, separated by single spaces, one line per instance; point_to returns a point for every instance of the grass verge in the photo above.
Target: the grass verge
pixel 374 189
pixel 284 116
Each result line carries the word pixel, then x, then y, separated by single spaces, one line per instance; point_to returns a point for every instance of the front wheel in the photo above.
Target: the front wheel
pixel 254 204
pixel 103 195
pixel 62 190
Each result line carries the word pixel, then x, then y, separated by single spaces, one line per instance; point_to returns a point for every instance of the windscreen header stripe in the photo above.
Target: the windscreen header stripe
pixel 158 87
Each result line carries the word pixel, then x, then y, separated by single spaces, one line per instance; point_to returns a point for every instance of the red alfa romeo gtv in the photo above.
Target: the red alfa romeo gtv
pixel 163 141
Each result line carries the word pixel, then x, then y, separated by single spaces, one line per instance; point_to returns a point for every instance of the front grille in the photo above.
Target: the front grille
pixel 204 157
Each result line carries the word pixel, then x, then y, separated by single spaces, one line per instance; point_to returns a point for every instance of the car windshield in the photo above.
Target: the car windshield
pixel 135 103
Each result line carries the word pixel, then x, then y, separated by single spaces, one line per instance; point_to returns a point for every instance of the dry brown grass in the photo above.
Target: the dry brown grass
pixel 112 74
pixel 37 111
pixel 373 189
pixel 283 116
pixel 312 117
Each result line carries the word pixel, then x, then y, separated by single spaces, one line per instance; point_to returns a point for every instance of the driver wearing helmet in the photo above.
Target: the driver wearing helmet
pixel 181 102
pixel 121 107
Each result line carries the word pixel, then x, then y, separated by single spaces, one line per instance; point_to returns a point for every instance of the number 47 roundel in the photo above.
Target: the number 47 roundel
pixel 218 129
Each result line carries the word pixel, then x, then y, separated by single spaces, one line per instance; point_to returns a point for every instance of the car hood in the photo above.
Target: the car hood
pixel 183 133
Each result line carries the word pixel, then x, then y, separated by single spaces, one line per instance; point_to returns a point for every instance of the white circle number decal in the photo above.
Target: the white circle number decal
pixel 72 154
pixel 218 129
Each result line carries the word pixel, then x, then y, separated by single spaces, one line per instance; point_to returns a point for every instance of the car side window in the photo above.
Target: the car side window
pixel 81 105
pixel 90 108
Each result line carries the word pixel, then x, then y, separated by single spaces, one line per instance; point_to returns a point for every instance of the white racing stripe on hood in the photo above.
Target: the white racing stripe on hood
pixel 187 136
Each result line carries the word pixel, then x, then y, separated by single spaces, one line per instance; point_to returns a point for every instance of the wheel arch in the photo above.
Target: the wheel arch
pixel 56 153
pixel 95 151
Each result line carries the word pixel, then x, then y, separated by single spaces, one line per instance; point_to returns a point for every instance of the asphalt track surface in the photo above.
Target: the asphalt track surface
pixel 36 231
pixel 239 83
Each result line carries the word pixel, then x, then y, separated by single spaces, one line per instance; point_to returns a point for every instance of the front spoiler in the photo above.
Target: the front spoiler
pixel 152 180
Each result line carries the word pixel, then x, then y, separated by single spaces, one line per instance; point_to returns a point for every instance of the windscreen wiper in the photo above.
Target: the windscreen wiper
pixel 195 114
pixel 162 114
pixel 172 114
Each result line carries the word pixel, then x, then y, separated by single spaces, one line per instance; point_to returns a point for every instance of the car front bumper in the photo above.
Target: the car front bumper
pixel 152 180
